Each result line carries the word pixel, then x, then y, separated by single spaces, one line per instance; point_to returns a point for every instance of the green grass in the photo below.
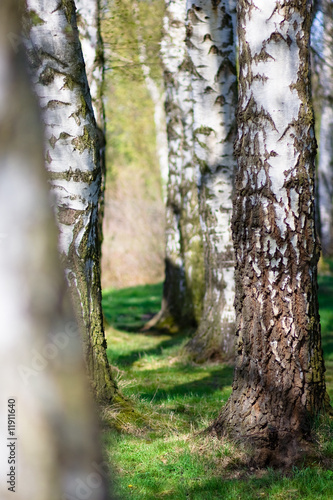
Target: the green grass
pixel 169 457
pixel 325 283
pixel 130 308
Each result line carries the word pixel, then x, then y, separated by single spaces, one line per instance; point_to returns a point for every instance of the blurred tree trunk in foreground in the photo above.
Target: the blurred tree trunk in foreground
pixel 211 32
pixel 184 269
pixel 325 166
pixel 89 25
pixel 56 454
pixel 279 384
pixel 73 164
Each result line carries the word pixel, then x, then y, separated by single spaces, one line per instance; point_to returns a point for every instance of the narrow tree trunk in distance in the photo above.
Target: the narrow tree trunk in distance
pixel 184 275
pixel 72 160
pixel 279 384
pixel 89 24
pixel 52 441
pixel 212 51
pixel 325 166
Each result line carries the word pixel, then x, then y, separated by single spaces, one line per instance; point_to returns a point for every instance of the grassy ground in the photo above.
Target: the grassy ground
pixel 166 457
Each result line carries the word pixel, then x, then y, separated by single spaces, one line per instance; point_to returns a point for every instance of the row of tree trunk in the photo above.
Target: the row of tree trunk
pixel 257 214
pixel 201 97
pixel 279 382
pixel 199 58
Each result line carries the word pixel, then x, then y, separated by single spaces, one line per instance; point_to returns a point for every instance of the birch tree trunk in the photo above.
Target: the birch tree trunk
pixel 325 166
pixel 50 453
pixel 212 51
pixel 279 384
pixel 89 25
pixel 184 276
pixel 72 161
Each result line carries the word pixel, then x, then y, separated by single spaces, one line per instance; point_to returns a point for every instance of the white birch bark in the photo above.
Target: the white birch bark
pixel 182 294
pixel 54 454
pixel 88 20
pixel 212 50
pixel 89 24
pixel 157 97
pixel 279 384
pixel 72 161
pixel 325 166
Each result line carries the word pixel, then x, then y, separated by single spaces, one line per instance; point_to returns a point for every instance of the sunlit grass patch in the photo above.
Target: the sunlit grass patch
pixel 186 395
pixel 167 455
pixel 184 467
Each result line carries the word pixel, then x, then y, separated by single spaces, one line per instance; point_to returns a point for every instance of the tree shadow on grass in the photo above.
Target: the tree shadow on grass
pixel 125 360
pixel 216 379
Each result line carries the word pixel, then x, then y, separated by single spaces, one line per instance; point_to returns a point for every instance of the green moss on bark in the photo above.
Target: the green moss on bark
pixel 85 141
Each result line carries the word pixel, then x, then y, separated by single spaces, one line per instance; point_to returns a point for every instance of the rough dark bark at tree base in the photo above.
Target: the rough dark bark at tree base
pixel 174 315
pixel 270 449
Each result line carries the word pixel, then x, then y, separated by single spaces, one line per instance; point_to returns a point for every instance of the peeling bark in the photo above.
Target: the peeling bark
pixel 212 51
pixel 279 384
pixel 41 365
pixel 72 161
pixel 325 166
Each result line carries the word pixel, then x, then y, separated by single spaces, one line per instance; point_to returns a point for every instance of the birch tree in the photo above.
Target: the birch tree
pixel 53 454
pixel 72 161
pixel 184 276
pixel 279 384
pixel 89 25
pixel 212 52
pixel 325 166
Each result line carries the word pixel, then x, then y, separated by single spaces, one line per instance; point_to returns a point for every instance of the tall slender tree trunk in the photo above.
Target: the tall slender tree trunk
pixel 279 384
pixel 52 442
pixel 89 25
pixel 325 166
pixel 212 50
pixel 184 275
pixel 72 161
